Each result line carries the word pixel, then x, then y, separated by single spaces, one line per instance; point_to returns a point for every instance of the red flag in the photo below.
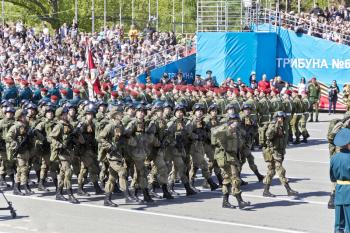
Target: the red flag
pixel 94 80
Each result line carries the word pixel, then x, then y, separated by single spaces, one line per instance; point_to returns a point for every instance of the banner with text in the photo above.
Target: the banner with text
pixel 186 65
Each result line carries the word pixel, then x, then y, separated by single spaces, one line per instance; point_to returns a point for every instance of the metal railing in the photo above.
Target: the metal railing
pixel 148 63
pixel 221 15
pixel 311 26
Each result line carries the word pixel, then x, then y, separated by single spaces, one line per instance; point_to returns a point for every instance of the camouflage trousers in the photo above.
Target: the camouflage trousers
pixel 230 172
pixel 22 170
pixel 116 168
pixel 198 161
pixel 88 165
pixel 3 161
pixel 212 164
pixel 176 157
pixel 294 123
pixel 303 121
pixel 66 172
pixel 246 155
pixel 274 165
pixel 140 173
pixel 159 170
pixel 47 165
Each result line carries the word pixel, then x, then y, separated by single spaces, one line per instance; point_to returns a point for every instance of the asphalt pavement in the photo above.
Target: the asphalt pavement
pixel 307 168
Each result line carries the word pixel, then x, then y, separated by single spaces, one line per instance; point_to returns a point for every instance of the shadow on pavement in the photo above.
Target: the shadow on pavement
pixel 8 217
pixel 276 203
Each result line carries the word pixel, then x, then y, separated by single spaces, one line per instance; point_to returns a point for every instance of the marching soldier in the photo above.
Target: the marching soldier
pixel 298 111
pixel 17 147
pixel 88 156
pixel 63 138
pixel 6 166
pixel 175 152
pixel 159 171
pixel 43 148
pixel 227 142
pixel 138 144
pixel 274 154
pixel 212 121
pixel 250 127
pixel 112 141
pixel 198 135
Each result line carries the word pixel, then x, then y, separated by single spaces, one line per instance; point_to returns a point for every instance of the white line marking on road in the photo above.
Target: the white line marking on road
pixel 287 199
pixel 265 228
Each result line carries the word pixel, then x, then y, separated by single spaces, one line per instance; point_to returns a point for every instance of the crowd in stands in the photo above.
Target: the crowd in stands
pixel 37 55
pixel 330 23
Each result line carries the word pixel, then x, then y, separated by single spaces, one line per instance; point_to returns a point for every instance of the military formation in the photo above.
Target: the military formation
pixel 140 138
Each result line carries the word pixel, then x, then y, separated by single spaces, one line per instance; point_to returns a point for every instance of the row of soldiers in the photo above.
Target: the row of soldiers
pixel 151 144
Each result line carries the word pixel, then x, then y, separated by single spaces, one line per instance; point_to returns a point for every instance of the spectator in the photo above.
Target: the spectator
pixel 133 34
pixel 263 84
pixel 286 87
pixel 279 84
pixel 302 86
pixel 252 80
pixel 333 91
pixel 198 82
pixel 210 80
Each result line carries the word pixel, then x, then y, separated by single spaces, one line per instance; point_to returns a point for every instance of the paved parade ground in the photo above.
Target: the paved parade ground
pixel 307 168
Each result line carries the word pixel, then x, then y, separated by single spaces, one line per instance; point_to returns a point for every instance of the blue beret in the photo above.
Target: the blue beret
pixel 342 138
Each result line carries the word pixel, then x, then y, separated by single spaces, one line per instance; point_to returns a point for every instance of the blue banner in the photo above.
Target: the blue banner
pixel 236 54
pixel 276 52
pixel 300 55
pixel 186 65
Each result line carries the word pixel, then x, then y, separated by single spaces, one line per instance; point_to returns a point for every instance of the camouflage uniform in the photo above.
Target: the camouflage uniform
pixel 227 142
pixel 274 155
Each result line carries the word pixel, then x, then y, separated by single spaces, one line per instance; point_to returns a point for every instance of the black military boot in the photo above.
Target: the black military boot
pixel 135 195
pixel 152 191
pixel 243 182
pixel 59 194
pixel 311 117
pixel 3 183
pixel 266 192
pixel 12 179
pixel 108 200
pixel 290 191
pixel 55 182
pixel 27 189
pixel 172 189
pixel 97 188
pixel 41 186
pixel 331 201
pixel 194 187
pixel 146 197
pixel 212 184
pixel 166 193
pixel 241 204
pixel 17 190
pixel 220 179
pixel 71 197
pixel 304 140
pixel 189 190
pixel 81 191
pixel 37 173
pixel 226 203
pixel 116 188
pixel 297 141
pixel 259 176
pixel 128 198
